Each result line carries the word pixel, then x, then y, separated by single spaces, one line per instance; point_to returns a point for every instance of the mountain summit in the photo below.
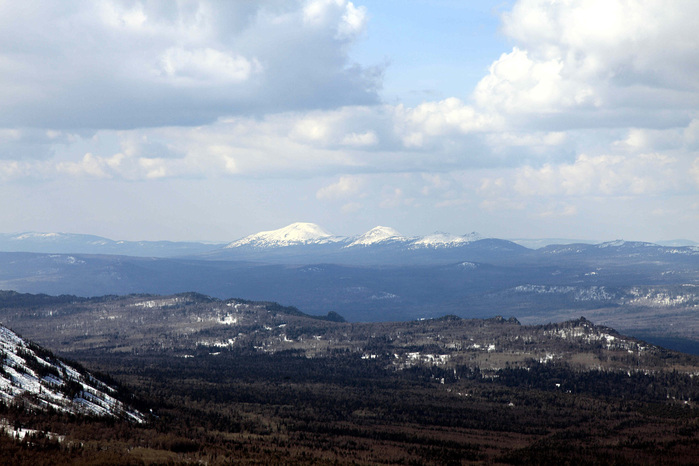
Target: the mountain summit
pixel 291 235
pixel 444 240
pixel 377 235
pixel 306 234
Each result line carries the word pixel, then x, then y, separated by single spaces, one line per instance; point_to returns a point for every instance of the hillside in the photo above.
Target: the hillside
pixel 33 377
pixel 192 324
pixel 259 382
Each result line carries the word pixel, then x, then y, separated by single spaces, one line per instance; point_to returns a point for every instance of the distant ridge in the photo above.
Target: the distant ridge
pixel 304 241
pixel 72 243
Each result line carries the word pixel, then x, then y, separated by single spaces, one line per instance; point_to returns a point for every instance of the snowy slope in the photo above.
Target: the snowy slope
pixel 298 234
pixel 291 235
pixel 443 240
pixel 377 235
pixel 41 380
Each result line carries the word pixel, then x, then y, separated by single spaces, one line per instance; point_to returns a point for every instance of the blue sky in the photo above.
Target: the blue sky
pixel 434 49
pixel 214 120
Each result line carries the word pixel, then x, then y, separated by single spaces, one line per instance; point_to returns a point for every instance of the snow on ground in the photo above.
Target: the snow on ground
pixel 44 381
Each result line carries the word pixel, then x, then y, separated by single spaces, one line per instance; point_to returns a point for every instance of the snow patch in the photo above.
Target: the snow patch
pixel 49 382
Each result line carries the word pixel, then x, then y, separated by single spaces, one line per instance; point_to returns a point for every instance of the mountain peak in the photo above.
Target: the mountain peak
pixel 294 234
pixel 444 240
pixel 377 234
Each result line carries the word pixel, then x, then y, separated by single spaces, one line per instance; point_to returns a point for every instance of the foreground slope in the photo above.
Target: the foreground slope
pixel 34 377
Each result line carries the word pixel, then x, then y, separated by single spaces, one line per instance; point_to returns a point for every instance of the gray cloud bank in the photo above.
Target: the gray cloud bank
pixel 125 65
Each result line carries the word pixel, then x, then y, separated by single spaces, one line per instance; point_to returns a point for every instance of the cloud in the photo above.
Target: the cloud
pixel 89 165
pixel 365 139
pixel 596 62
pixel 192 68
pixel 599 176
pixel 347 20
pixel 351 207
pixel 518 84
pixel 593 103
pixel 430 120
pixel 213 93
pixel 118 64
pixel 345 186
pixel 558 210
pixel 695 171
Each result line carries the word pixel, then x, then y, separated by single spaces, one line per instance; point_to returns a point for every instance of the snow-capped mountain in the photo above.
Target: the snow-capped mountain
pixel 444 240
pixel 377 235
pixel 298 234
pixel 42 380
pixel 309 243
pixel 292 235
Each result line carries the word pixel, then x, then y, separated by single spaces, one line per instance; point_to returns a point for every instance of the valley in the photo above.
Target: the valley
pixel 227 380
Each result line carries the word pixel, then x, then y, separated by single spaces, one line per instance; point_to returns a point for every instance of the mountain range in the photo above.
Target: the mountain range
pixel 290 241
pixel 644 289
pixel 298 234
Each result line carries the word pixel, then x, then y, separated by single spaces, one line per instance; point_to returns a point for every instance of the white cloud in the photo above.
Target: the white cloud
pixel 434 182
pixel 194 67
pixel 518 84
pixel 344 187
pixel 691 134
pixel 312 129
pixel 353 22
pixel 10 169
pixel 603 175
pixel 614 57
pixel 89 165
pixel 351 207
pixel 695 171
pixel 435 119
pixel 347 20
pixel 365 139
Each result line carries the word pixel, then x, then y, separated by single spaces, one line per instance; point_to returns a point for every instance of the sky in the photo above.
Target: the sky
pixel 212 120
